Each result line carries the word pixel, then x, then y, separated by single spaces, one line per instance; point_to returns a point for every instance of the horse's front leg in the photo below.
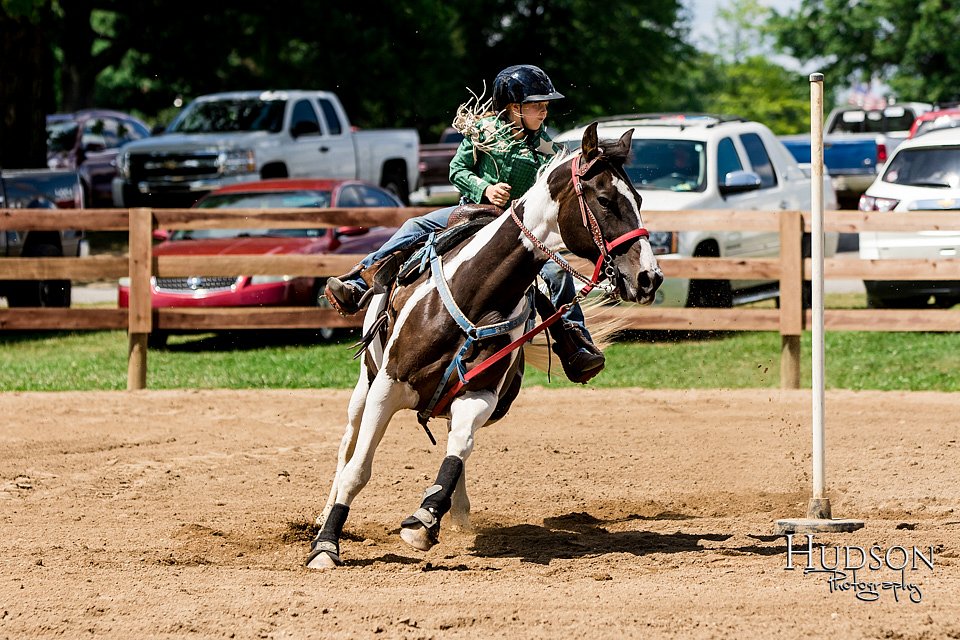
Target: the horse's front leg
pixel 467 414
pixel 349 441
pixel 384 399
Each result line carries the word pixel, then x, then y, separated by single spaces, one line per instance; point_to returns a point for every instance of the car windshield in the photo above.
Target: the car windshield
pixel 925 167
pixel 61 136
pixel 669 165
pixel 894 118
pixel 266 200
pixel 217 116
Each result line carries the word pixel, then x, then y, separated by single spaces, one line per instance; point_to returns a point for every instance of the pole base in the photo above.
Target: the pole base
pixel 819 520
pixel 816 525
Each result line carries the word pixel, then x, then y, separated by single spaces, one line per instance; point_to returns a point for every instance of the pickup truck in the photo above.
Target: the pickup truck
pixel 696 161
pixel 434 185
pixel 229 138
pixel 39 189
pixel 856 143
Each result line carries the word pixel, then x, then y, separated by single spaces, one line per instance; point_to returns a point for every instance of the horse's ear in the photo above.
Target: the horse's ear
pixel 590 147
pixel 623 146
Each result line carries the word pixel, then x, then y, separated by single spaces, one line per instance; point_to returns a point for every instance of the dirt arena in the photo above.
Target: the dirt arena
pixel 597 514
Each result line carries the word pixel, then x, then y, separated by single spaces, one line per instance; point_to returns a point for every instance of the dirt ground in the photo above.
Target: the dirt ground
pixel 598 514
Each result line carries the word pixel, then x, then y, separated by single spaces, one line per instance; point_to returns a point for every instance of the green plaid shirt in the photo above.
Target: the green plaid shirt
pixel 500 159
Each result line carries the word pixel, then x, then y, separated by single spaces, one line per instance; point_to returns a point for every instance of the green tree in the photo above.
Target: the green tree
pixel 26 90
pixel 909 44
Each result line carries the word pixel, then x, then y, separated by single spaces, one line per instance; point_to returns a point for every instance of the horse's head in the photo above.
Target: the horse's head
pixel 604 218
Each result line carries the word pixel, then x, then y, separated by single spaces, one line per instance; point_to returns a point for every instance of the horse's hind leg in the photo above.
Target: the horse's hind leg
pixel 467 414
pixel 384 398
pixel 348 442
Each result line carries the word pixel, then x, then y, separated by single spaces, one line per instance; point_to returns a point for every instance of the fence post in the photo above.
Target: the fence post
pixel 140 318
pixel 791 297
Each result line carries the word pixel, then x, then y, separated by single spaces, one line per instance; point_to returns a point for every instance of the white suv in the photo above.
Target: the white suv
pixel 689 162
pixel 923 174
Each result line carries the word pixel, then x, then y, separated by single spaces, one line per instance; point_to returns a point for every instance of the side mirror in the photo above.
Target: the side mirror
pixel 93 147
pixel 351 231
pixel 740 182
pixel 161 235
pixel 304 128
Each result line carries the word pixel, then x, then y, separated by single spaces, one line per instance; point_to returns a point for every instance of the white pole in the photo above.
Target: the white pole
pixel 816 234
pixel 819 517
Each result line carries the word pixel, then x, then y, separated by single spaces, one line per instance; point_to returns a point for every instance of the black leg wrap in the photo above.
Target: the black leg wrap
pixel 328 539
pixel 436 500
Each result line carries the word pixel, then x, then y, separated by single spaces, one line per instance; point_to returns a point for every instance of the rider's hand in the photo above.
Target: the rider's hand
pixel 498 194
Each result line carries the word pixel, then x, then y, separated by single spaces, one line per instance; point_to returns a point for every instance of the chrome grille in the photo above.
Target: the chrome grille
pixel 197 283
pixel 173 167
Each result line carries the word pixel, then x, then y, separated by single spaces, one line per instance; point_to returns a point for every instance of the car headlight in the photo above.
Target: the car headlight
pixel 663 242
pixel 269 279
pixel 871 203
pixel 237 161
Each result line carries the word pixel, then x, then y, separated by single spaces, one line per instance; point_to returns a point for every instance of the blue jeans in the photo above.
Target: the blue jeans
pixel 560 283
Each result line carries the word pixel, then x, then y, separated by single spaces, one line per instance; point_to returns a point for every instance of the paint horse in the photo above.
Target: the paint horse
pixel 584 201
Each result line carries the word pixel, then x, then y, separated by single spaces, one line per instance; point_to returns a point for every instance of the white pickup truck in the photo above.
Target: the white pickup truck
pixel 226 138
pixel 690 162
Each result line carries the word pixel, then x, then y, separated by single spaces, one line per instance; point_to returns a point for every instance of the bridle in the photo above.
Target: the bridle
pixel 605 267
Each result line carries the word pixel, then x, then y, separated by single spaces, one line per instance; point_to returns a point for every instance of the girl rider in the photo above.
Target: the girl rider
pixel 497 162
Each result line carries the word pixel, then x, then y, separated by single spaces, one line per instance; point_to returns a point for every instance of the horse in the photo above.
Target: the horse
pixel 581 200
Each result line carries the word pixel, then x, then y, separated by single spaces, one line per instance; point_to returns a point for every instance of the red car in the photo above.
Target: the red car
pixel 206 291
pixel 931 120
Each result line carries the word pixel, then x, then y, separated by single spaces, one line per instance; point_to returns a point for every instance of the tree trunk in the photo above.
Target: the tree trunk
pixel 25 92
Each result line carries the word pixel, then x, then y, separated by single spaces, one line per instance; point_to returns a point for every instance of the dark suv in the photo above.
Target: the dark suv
pixel 88 141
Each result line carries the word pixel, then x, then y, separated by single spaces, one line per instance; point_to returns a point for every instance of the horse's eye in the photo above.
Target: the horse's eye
pixel 604 202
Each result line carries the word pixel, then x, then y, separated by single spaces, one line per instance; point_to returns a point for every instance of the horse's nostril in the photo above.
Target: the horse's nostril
pixel 648 281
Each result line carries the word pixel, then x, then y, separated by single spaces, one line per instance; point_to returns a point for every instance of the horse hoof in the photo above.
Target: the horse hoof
pixel 461 526
pixel 322 560
pixel 418 537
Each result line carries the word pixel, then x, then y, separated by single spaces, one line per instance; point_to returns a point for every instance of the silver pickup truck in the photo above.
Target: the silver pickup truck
pixel 228 138
pixel 48 192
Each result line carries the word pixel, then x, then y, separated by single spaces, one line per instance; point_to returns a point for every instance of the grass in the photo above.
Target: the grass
pixel 98 361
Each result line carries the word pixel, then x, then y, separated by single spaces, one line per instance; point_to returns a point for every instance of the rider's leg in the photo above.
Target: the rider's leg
pixel 581 359
pixel 345 292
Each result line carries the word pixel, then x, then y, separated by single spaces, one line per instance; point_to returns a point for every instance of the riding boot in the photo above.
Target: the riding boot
pixel 581 359
pixel 347 294
pixel 350 292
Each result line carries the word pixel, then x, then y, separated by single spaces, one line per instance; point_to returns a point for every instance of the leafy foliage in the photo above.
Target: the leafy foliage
pixel 909 44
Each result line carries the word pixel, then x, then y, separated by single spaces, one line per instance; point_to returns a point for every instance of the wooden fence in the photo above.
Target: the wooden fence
pixel 140 265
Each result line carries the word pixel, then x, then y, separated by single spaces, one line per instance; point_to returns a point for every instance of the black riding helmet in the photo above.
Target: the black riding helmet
pixel 522 83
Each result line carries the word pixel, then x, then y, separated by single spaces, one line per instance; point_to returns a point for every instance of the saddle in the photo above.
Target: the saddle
pixel 405 266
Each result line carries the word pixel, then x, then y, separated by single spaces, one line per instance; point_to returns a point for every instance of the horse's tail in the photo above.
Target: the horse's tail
pixel 602 329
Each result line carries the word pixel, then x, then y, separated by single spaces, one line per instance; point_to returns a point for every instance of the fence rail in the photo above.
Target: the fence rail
pixel 140 265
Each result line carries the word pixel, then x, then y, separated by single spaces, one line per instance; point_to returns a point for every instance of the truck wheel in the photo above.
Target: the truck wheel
pixel 395 181
pixel 710 293
pixel 40 293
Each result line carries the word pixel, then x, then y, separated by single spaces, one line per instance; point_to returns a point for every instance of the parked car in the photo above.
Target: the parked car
pixel 88 141
pixel 56 192
pixel 932 120
pixel 856 143
pixel 681 162
pixel 923 174
pixel 244 136
pixel 434 183
pixel 257 291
